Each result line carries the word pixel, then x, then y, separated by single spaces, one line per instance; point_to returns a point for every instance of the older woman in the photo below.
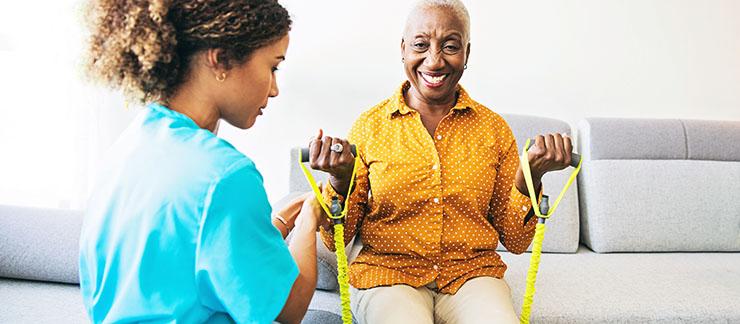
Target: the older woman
pixel 178 228
pixel 438 186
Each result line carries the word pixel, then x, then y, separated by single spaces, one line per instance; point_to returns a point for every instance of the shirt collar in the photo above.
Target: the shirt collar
pixel 162 110
pixel 398 103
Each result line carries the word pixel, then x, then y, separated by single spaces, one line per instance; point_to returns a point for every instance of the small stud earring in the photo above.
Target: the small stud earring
pixel 402 61
pixel 465 67
pixel 221 77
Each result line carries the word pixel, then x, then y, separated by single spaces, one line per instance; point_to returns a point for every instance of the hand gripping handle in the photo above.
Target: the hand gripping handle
pixel 575 158
pixel 305 151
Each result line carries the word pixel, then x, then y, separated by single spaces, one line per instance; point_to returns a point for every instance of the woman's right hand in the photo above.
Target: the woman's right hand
pixel 338 165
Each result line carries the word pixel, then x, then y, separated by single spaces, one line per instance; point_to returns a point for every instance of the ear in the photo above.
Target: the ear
pixel 403 46
pixel 467 54
pixel 216 60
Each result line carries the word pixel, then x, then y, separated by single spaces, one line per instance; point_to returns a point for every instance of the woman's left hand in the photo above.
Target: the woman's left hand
pixel 549 153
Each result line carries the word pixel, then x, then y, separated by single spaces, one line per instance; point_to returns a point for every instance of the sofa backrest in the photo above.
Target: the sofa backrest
pixel 562 228
pixel 660 185
pixel 39 244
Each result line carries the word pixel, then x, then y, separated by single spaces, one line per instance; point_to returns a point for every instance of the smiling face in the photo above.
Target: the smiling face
pixel 435 50
pixel 251 84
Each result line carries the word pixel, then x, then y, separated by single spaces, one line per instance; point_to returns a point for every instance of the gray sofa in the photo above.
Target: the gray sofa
pixel 648 234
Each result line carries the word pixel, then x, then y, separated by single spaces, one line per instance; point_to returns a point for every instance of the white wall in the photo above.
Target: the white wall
pixel 561 59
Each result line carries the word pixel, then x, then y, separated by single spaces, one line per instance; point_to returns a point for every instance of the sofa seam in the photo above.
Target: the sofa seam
pixel 685 139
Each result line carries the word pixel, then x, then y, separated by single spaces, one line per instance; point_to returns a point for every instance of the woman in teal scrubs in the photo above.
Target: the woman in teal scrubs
pixel 178 228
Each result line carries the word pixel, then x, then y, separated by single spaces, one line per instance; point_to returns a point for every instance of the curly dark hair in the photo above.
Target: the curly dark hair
pixel 145 47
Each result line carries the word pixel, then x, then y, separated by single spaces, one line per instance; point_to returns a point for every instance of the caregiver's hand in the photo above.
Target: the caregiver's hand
pixel 339 165
pixel 548 153
pixel 311 214
pixel 291 210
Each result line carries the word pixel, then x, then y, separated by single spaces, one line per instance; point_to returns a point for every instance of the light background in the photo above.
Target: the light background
pixel 561 59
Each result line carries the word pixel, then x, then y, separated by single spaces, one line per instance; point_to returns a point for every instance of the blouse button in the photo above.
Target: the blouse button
pixel 434 167
pixel 439 137
pixel 436 200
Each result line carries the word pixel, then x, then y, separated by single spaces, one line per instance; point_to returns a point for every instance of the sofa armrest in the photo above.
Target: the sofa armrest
pixel 39 244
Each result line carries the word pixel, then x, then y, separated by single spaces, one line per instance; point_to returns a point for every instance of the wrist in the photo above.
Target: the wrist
pixel 307 223
pixel 340 185
pixel 521 183
pixel 281 226
pixel 284 222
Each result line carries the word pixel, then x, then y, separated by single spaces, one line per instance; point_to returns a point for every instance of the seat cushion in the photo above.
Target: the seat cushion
pixel 588 287
pixel 26 301
pixel 324 308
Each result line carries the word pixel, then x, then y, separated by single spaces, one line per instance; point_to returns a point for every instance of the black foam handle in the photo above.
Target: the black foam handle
pixel 305 151
pixel 575 158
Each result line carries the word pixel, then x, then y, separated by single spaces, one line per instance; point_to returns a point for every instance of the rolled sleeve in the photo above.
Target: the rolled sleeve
pixel 522 202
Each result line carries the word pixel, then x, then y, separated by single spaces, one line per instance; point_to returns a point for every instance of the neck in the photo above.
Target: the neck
pixel 190 101
pixel 426 106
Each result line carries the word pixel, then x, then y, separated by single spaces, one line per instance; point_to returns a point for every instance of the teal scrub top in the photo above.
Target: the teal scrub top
pixel 178 230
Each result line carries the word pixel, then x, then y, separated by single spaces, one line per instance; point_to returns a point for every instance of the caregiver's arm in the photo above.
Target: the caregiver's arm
pixel 303 250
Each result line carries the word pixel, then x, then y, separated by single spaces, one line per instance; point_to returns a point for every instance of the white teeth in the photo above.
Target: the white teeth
pixel 434 79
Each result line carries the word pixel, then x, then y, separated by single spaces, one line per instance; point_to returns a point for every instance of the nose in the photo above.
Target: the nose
pixel 274 88
pixel 434 60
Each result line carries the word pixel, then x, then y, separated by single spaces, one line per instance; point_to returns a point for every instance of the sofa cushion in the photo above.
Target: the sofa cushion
pixel 624 139
pixel 587 287
pixel 712 140
pixel 681 196
pixel 651 205
pixel 25 301
pixel 325 307
pixel 39 244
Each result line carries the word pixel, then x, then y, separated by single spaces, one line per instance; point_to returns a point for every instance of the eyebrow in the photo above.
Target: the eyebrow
pixel 281 57
pixel 454 33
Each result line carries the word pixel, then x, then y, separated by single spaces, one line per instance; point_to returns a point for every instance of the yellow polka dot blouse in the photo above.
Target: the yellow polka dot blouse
pixel 433 207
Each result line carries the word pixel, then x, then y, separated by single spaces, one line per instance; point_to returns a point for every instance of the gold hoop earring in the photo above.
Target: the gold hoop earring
pixel 222 77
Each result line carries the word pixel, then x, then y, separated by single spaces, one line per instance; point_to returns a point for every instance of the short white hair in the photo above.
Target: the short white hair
pixel 456 6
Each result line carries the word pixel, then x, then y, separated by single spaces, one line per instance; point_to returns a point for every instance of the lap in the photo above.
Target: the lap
pixel 479 300
pixel 393 304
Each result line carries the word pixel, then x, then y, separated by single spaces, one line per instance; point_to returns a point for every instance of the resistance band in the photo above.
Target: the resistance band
pixel 539 231
pixel 337 214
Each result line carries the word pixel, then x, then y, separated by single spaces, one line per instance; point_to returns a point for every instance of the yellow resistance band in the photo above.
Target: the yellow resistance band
pixel 539 232
pixel 338 238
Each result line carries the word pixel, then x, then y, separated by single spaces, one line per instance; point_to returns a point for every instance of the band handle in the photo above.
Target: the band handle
pixel 530 186
pixel 305 151
pixel 575 158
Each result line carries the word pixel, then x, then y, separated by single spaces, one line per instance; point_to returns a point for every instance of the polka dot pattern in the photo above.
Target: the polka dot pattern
pixel 433 207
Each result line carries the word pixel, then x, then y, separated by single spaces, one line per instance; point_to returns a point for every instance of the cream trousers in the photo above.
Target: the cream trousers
pixel 479 300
